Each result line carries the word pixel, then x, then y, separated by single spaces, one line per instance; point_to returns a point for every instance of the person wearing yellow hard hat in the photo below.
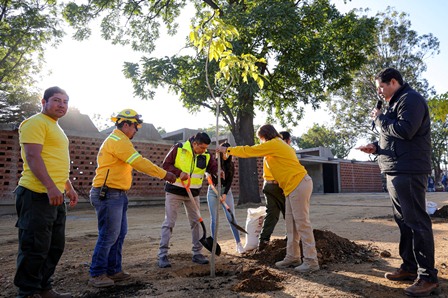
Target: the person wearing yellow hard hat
pixel 116 160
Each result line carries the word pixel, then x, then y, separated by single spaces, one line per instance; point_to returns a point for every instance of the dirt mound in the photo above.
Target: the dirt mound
pixel 259 280
pixel 331 248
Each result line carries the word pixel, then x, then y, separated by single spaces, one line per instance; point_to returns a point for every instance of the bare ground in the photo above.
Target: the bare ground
pixel 356 238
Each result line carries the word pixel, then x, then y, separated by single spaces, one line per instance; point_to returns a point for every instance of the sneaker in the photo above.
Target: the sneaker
pixel 199 259
pixel 422 288
pixel 119 276
pixel 287 263
pixel 307 267
pixel 101 281
pixel 53 294
pixel 163 262
pixel 239 248
pixel 400 275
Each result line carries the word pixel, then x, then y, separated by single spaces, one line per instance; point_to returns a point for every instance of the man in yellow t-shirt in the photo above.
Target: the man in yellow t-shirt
pixel 116 160
pixel 40 196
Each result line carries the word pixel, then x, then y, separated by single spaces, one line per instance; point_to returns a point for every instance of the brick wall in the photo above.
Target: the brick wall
pixel 355 177
pixel 360 177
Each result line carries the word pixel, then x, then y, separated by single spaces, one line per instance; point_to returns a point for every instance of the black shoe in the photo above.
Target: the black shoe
pixel 262 245
pixel 163 262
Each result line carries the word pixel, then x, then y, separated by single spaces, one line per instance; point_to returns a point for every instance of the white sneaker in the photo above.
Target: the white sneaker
pixel 287 263
pixel 307 267
pixel 239 248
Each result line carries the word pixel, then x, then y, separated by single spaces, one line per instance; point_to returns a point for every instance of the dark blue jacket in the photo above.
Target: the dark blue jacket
pixel 404 146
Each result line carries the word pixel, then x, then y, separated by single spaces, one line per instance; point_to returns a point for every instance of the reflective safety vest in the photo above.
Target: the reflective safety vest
pixel 193 164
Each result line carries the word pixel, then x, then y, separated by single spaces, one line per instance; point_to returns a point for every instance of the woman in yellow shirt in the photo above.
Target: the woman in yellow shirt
pixel 292 177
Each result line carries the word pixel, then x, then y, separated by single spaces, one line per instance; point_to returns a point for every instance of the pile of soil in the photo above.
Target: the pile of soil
pixel 331 248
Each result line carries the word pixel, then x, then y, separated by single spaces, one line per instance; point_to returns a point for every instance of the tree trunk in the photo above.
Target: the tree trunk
pixel 248 172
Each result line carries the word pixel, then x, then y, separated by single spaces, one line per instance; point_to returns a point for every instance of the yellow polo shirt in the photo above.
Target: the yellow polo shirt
pixel 44 130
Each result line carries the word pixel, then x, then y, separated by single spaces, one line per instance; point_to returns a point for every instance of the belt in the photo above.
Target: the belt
pixel 110 189
pixel 270 182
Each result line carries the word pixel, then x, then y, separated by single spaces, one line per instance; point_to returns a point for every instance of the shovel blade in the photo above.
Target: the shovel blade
pixel 208 244
pixel 239 228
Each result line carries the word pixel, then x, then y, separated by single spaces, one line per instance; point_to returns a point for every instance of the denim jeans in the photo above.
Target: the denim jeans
pixel 112 229
pixel 212 200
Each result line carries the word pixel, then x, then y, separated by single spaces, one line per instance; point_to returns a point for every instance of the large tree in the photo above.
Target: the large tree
pixel 26 26
pixel 398 46
pixel 311 50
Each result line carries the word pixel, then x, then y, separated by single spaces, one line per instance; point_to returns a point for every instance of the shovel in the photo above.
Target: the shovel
pixel 207 242
pixel 232 222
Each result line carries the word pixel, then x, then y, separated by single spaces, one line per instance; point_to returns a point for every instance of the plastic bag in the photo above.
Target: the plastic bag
pixel 431 207
pixel 254 223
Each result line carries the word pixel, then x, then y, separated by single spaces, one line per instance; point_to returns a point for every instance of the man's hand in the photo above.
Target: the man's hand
pixel 170 177
pixel 369 148
pixel 223 198
pixel 184 176
pixel 71 193
pixel 55 196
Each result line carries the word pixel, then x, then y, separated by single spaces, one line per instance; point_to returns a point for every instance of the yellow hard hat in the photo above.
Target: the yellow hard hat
pixel 128 115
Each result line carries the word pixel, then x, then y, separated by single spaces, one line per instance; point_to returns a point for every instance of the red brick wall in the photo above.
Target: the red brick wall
pixel 355 177
pixel 360 177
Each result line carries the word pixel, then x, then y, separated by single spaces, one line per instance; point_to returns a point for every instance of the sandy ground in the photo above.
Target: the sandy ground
pixel 364 219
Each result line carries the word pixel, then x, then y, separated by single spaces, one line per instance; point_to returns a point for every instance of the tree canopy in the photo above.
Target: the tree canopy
pixel 26 27
pixel 398 46
pixel 310 49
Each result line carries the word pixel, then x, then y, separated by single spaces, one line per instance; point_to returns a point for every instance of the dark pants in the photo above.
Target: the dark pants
pixel 41 241
pixel 275 203
pixel 407 193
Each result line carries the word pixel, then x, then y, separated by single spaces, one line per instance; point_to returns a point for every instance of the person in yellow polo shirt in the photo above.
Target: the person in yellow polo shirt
pixel 116 160
pixel 297 186
pixel 40 197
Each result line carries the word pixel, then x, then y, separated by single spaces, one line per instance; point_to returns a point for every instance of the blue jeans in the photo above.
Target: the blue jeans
pixel 112 229
pixel 212 200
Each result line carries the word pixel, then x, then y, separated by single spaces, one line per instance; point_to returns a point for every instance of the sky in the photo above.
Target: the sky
pixel 91 71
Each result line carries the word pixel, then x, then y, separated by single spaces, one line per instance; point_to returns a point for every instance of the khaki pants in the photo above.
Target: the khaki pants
pixel 172 204
pixel 298 225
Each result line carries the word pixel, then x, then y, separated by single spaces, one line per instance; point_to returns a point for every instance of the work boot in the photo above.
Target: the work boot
pixel 262 244
pixel 101 281
pixel 199 259
pixel 163 262
pixel 285 263
pixel 53 294
pixel 119 276
pixel 239 248
pixel 422 288
pixel 307 267
pixel 400 275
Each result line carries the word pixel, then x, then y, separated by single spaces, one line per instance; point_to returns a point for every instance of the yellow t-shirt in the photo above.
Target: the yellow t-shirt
pixel 44 130
pixel 118 155
pixel 280 159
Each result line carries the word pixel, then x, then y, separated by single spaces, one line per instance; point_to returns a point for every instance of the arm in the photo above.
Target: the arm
pixel 37 166
pixel 168 163
pixel 71 193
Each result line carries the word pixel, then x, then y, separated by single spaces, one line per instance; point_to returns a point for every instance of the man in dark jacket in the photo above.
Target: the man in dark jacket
pixel 404 155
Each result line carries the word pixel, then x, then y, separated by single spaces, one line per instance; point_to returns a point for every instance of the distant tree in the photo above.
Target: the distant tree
pixel 26 26
pixel 438 106
pixel 322 136
pixel 398 46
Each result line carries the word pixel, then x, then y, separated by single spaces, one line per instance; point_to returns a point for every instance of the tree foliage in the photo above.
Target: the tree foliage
pixel 322 136
pixel 438 107
pixel 398 46
pixel 310 49
pixel 25 28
